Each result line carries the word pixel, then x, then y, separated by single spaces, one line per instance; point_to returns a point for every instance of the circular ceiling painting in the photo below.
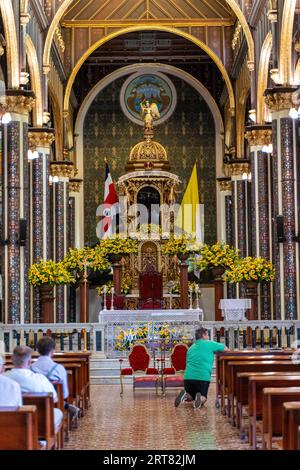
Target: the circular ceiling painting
pixel 154 87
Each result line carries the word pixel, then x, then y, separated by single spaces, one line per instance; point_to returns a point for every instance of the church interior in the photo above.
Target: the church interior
pixel 149 206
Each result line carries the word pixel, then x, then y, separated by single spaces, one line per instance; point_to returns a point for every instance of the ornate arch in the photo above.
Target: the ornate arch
pixel 286 41
pixel 78 132
pixel 262 81
pixel 8 18
pixel 179 32
pixel 35 78
pixel 67 3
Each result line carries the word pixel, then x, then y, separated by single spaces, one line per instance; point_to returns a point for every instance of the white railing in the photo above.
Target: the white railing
pixel 96 337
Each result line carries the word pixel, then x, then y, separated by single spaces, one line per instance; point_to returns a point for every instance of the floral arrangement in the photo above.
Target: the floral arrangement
pixel 126 286
pixel 194 287
pixel 141 335
pixel 91 258
pixel 251 269
pixel 49 272
pixel 181 245
pixel 118 246
pixel 149 231
pixel 219 254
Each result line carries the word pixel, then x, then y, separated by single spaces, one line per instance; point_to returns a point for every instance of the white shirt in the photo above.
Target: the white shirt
pixel 10 392
pixel 53 371
pixel 31 382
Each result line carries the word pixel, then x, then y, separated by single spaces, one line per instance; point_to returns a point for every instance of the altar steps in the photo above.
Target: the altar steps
pixel 107 371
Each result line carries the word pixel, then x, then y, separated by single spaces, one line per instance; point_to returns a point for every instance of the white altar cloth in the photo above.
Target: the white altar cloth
pixel 234 309
pixel 113 316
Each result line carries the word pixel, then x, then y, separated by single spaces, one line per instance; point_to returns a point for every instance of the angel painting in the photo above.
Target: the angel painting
pixel 149 113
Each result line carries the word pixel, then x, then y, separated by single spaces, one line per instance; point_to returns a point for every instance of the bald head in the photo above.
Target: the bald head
pixel 21 357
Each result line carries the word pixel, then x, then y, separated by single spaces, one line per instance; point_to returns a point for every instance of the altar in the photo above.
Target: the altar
pixel 123 328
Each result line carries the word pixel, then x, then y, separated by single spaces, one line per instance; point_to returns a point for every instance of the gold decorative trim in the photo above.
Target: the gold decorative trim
pixel 272 16
pixel 286 41
pixel 236 35
pixel 225 185
pixel 60 40
pixel 74 185
pixel 40 139
pixel 238 169
pixel 280 100
pixel 259 136
pixel 18 104
pixel 62 169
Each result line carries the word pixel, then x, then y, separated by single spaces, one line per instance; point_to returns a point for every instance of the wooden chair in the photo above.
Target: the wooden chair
pixel 291 423
pixel 61 405
pixel 273 399
pixel 45 410
pixel 19 428
pixel 143 375
pixel 173 376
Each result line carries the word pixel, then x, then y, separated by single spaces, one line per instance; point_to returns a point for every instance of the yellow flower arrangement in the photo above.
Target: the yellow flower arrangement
pixel 118 246
pixel 49 272
pixel 92 258
pixel 181 245
pixel 219 254
pixel 251 269
pixel 126 286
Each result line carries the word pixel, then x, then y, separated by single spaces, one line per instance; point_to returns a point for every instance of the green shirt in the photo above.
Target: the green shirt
pixel 200 359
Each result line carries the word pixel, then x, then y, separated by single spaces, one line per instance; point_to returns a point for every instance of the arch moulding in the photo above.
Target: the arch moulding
pixel 35 77
pixel 79 143
pixel 8 18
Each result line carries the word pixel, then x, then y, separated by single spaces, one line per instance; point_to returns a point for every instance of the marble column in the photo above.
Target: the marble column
pixel 226 223
pixel 260 136
pixel 16 206
pixel 74 224
pixel 241 210
pixel 61 172
pixel 286 180
pixel 40 140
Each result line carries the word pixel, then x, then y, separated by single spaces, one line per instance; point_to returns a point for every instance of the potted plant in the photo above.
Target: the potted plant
pixel 82 259
pixel 251 269
pixel 183 247
pixel 46 274
pixel 117 247
pixel 217 257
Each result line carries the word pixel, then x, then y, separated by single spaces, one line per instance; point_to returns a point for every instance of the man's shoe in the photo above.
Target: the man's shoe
pixel 198 401
pixel 180 398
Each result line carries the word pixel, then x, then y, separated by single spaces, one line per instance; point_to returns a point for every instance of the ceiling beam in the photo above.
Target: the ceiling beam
pixel 165 22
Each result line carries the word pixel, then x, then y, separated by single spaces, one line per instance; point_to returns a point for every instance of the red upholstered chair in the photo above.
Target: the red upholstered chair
pixel 119 301
pixel 173 376
pixel 143 375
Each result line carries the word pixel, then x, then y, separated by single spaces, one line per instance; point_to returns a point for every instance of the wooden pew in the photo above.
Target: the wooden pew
pixel 253 366
pixel 255 390
pixel 291 422
pixel 242 396
pixel 298 438
pixel 45 407
pixel 61 405
pixel 222 372
pixel 19 428
pixel 273 399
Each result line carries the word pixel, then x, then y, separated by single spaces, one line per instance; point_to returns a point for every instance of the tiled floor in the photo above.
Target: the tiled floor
pixel 146 421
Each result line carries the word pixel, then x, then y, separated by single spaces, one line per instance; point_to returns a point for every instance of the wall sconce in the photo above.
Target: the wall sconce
pixel 46 117
pixel 6 118
pixel 294 113
pixel 33 155
pixel 245 176
pixel 252 115
pixel 268 148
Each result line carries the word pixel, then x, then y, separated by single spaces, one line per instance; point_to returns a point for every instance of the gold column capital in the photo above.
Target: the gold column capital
pixel 281 98
pixel 17 101
pixel 259 135
pixel 74 185
pixel 239 168
pixel 62 168
pixel 225 184
pixel 272 16
pixel 40 137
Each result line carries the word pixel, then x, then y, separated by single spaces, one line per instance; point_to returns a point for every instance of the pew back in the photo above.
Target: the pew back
pixel 18 428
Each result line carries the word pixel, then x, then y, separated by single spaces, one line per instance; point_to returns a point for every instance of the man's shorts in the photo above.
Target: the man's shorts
pixel 194 386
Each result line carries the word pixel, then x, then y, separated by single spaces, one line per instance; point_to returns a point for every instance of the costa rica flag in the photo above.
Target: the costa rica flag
pixel 110 205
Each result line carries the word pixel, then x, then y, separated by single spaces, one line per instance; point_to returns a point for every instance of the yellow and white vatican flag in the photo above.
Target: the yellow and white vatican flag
pixel 189 216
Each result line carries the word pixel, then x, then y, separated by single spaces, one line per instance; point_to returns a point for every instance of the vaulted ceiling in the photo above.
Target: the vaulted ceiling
pixel 133 10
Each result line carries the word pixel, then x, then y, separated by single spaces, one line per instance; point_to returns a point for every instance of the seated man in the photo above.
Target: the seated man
pixel 53 371
pixel 31 382
pixel 10 391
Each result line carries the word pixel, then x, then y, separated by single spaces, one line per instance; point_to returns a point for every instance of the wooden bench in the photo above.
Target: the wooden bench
pixel 273 399
pixel 291 422
pixel 242 396
pixel 252 366
pixel 222 371
pixel 45 412
pixel 19 428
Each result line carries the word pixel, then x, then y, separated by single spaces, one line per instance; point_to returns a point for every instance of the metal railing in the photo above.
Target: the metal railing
pixel 100 338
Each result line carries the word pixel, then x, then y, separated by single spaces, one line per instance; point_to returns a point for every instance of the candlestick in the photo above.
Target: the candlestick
pixel 191 298
pixel 104 298
pixel 112 298
pixel 197 297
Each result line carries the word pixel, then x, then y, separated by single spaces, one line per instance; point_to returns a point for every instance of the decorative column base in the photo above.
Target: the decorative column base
pixel 84 301
pixel 47 304
pixel 184 285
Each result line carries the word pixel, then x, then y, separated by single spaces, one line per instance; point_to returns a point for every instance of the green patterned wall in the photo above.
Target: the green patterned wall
pixel 188 136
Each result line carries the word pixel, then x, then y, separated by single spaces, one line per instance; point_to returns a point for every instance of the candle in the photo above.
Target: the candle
pixel 104 297
pixel 112 298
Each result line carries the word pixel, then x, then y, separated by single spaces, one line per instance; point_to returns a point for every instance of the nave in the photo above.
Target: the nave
pixel 145 421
